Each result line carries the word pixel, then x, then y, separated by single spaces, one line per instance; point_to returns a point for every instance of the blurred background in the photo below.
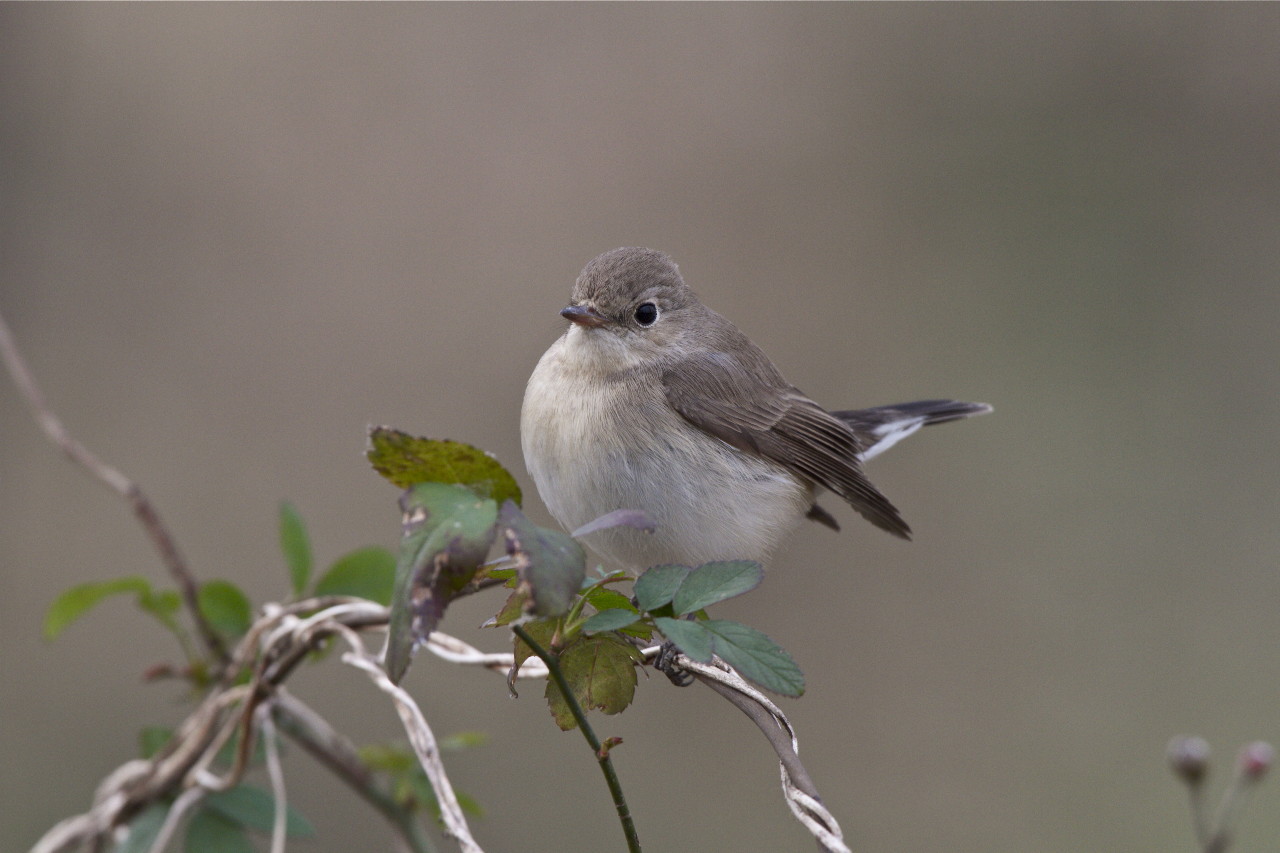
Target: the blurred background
pixel 235 236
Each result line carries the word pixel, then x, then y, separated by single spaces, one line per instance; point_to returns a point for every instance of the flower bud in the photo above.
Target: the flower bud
pixel 1189 757
pixel 1255 760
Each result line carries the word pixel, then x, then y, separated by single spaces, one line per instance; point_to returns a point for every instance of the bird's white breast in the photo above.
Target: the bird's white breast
pixel 595 442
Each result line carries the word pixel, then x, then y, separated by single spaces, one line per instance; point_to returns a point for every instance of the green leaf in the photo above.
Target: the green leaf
pixel 406 460
pixel 610 620
pixel 658 585
pixel 255 809
pixel 692 639
pixel 144 828
pixel 512 609
pixel 640 630
pixel 414 791
pixel 389 758
pixel 79 600
pixel 364 573
pixel 225 607
pixel 459 741
pixel 603 598
pixel 152 739
pixel 467 803
pixel 164 605
pixel 210 832
pixel 296 546
pixel 601 672
pixel 409 784
pixel 448 531
pixel 714 582
pixel 550 564
pixel 756 657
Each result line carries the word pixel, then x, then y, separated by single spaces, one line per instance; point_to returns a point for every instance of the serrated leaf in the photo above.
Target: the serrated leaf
pixel 448 531
pixel 79 600
pixel 225 607
pixel 658 585
pixel 255 809
pixel 550 564
pixel 618 518
pixel 151 739
pixel 714 582
pixel 144 829
pixel 210 832
pixel 296 546
pixel 691 638
pixel 364 573
pixel 756 657
pixel 600 671
pixel 406 460
pixel 610 620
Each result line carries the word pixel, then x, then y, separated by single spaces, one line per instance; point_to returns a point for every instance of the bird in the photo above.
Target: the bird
pixel 652 401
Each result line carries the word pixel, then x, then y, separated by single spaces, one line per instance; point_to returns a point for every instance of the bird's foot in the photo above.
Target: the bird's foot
pixel 665 663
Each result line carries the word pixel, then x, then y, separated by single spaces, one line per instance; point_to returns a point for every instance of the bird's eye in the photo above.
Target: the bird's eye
pixel 646 313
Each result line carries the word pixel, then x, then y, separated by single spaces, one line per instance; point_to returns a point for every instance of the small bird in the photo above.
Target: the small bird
pixel 651 401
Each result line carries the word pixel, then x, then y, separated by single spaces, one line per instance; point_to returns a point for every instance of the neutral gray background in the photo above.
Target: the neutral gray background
pixel 233 236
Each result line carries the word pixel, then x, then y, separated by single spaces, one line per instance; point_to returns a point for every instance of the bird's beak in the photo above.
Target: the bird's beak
pixel 584 315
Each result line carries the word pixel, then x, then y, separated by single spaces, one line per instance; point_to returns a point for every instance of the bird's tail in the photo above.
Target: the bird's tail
pixel 884 426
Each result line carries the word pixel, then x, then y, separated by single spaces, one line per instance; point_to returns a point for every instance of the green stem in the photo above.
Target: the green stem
pixel 602 755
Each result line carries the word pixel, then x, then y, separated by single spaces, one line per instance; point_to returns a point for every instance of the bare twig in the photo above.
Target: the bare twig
pixel 335 751
pixel 798 788
pixel 456 651
pixel 117 482
pixel 185 760
pixel 183 765
pixel 421 738
pixel 175 816
pixel 275 773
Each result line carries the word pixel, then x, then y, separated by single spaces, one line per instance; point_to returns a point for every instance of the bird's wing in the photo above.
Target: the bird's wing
pixel 775 421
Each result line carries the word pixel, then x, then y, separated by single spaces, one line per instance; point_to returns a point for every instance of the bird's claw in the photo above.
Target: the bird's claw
pixel 665 663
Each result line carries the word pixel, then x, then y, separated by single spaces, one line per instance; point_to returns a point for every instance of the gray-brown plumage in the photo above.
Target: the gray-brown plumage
pixel 653 401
